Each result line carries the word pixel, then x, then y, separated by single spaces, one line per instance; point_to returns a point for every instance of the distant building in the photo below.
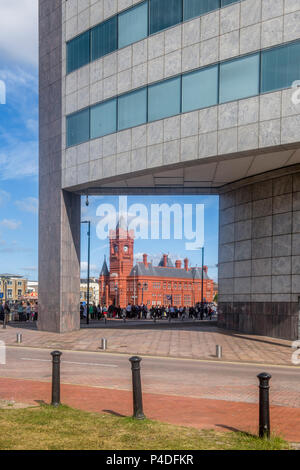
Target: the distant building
pixel 32 287
pixel 165 284
pixel 216 289
pixel 15 286
pixel 94 290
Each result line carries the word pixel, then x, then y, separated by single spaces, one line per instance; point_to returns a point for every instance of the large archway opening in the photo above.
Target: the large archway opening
pixel 152 258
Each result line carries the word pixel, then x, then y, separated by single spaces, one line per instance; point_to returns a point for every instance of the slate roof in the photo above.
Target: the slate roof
pixel 169 262
pixel 157 271
pixel 104 270
pixel 121 223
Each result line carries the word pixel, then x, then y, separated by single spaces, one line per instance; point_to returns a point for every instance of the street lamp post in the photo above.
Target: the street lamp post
pixel 194 274
pixel 202 280
pixel 134 286
pixel 143 286
pixel 116 291
pixel 88 270
pixel 4 280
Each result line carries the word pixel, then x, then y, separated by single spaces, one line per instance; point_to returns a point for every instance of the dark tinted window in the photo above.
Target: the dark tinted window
pixel 104 38
pixel 164 13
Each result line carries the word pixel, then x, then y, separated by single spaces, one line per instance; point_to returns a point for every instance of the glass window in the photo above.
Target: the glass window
pixel 200 89
pixel 164 13
pixel 239 78
pixel 228 2
pixel 104 38
pixel 193 8
pixel 133 25
pixel 104 118
pixel 132 109
pixel 78 52
pixel 78 126
pixel 280 67
pixel 164 99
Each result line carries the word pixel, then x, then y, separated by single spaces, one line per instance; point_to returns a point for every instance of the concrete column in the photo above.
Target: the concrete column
pixel 259 256
pixel 59 211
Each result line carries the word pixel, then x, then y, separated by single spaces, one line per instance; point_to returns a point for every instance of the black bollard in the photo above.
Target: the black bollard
pixel 264 406
pixel 56 378
pixel 137 388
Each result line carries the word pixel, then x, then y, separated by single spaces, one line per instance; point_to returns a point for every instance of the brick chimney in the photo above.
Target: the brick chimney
pixel 205 269
pixel 186 264
pixel 145 260
pixel 178 264
pixel 165 258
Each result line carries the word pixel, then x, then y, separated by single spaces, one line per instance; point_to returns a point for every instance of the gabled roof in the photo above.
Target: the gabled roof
pixel 157 271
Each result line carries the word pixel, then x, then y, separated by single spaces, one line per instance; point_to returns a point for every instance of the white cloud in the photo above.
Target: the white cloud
pixel 13 247
pixel 32 125
pixel 4 197
pixel 19 30
pixel 19 159
pixel 29 269
pixel 29 204
pixel 10 224
pixel 18 132
pixel 84 266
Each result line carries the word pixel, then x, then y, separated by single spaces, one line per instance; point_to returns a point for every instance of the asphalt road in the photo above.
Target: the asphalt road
pixel 193 378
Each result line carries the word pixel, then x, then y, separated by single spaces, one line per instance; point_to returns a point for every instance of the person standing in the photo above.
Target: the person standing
pixel 91 312
pixel 28 311
pixel 99 311
pixel 20 311
pixel 6 312
pixel 36 311
pixel 1 312
pixel 85 311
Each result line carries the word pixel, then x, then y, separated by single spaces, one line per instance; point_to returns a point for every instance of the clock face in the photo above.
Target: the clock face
pixel 125 248
pixel 116 248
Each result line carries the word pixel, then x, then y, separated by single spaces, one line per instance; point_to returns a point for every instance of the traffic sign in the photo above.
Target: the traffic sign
pixel 1 295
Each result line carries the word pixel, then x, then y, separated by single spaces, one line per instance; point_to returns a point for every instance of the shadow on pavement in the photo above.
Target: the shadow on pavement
pixel 263 339
pixel 111 412
pixel 230 428
pixel 23 325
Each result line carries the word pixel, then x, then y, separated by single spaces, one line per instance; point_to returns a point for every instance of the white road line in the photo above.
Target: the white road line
pixel 69 362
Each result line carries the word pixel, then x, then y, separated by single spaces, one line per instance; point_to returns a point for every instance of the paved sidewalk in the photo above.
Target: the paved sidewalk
pixel 186 341
pixel 185 411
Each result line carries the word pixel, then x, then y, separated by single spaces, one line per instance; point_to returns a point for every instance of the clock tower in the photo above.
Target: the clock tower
pixel 121 243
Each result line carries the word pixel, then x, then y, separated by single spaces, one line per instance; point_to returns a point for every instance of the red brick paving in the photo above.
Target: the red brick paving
pixel 186 411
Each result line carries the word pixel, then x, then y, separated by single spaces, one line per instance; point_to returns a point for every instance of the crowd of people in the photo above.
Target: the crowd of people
pixel 19 311
pixel 98 312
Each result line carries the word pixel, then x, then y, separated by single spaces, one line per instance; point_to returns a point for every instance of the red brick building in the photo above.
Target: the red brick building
pixel 165 284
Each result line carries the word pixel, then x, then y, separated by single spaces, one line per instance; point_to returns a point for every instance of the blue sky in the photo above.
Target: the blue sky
pixel 155 248
pixel 19 163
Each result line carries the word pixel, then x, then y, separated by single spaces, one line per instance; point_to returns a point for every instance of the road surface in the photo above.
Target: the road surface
pixel 190 378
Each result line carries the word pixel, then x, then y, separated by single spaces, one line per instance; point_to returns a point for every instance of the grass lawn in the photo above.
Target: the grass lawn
pixel 65 428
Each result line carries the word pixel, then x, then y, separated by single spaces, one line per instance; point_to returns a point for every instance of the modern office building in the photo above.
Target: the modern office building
pixel 175 97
